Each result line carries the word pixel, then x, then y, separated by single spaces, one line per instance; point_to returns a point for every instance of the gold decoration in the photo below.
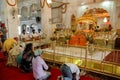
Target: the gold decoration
pixel 42 4
pixel 11 2
pixel 86 19
pixel 64 8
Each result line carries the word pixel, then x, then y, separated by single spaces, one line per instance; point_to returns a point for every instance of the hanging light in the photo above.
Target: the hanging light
pixel 105 20
pixel 49 1
pixel 19 16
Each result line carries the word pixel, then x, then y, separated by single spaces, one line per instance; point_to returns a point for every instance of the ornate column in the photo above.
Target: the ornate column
pixel 45 17
pixel 11 17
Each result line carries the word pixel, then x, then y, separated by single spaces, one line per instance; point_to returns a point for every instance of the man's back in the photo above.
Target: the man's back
pixel 68 69
pixel 38 64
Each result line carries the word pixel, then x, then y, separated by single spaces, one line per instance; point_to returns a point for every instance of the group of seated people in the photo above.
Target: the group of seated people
pixel 32 36
pixel 28 58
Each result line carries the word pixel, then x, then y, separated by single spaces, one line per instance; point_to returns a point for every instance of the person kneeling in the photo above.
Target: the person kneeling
pixel 39 66
pixel 70 71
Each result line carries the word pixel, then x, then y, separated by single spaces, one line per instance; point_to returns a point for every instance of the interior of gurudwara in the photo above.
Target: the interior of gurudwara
pixel 83 32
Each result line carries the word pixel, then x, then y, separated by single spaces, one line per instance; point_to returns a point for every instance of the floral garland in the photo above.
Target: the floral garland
pixel 42 5
pixel 64 8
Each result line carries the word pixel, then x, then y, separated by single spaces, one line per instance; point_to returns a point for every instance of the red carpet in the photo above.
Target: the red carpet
pixel 13 73
pixel 113 57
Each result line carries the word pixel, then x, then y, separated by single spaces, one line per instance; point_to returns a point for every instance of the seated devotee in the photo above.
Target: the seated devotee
pixel 33 35
pixel 24 36
pixel 39 34
pixel 9 44
pixel 19 56
pixel 26 62
pixel 70 71
pixel 13 53
pixel 39 66
pixel 11 60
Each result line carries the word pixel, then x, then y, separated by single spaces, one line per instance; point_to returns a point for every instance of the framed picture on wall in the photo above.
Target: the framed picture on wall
pixel 59 25
pixel 56 15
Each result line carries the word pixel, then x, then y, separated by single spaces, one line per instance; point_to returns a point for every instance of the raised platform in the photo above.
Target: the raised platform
pixel 84 59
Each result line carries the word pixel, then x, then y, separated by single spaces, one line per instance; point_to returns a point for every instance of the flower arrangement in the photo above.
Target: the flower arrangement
pixel 52 38
pixel 90 38
pixel 67 37
pixel 58 29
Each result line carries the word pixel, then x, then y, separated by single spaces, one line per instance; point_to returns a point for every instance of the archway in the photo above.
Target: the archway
pixel 94 18
pixel 24 12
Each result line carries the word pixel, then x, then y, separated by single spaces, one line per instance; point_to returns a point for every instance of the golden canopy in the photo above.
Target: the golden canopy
pixel 86 19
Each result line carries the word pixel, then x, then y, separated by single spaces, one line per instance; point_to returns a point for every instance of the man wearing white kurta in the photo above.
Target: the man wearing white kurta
pixel 24 36
pixel 39 66
pixel 33 34
pixel 70 71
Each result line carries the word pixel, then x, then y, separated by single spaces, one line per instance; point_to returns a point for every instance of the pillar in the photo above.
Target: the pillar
pixel 11 19
pixel 45 17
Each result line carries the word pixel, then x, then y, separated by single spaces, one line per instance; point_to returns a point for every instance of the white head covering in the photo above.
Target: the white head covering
pixel 38 52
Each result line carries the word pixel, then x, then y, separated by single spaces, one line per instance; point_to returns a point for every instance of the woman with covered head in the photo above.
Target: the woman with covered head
pixel 9 44
pixel 26 62
pixel 13 54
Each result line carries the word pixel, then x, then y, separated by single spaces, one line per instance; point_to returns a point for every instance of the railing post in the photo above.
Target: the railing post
pixel 86 55
pixel 53 46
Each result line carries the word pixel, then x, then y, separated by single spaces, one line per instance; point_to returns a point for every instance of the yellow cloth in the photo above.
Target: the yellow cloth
pixel 12 55
pixel 8 44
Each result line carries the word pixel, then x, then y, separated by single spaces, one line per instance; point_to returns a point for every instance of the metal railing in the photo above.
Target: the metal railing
pixel 93 58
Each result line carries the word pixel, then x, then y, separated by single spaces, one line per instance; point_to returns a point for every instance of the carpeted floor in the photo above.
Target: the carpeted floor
pixel 13 73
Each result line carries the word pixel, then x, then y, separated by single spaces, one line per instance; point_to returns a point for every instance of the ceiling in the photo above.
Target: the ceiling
pixel 79 2
pixel 72 1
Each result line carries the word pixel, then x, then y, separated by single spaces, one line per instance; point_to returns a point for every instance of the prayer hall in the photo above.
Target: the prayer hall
pixel 85 33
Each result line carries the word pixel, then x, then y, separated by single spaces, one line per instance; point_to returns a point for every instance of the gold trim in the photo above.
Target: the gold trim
pixel 10 3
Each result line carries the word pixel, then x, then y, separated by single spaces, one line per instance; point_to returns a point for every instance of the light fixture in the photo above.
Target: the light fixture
pixel 48 2
pixel 19 16
pixel 83 3
pixel 63 6
pixel 105 20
